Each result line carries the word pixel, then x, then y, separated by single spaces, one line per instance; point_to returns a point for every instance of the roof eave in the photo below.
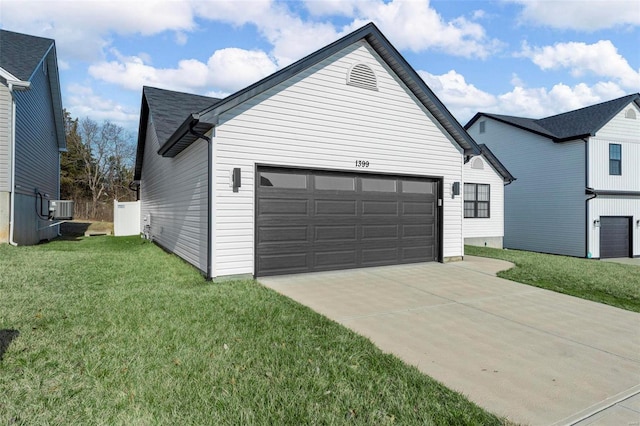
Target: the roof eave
pixel 56 95
pixel 184 135
pixel 574 137
pixel 416 84
pixel 497 165
pixel 142 137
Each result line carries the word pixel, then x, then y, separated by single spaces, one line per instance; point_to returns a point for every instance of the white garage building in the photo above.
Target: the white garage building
pixel 343 159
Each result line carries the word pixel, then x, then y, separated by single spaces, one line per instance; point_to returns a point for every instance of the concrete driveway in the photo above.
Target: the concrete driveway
pixel 531 355
pixel 625 260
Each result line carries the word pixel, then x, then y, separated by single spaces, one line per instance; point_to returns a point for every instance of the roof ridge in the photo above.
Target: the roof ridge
pixel 630 96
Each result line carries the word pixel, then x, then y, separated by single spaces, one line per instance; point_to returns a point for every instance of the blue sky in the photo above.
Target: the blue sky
pixel 531 58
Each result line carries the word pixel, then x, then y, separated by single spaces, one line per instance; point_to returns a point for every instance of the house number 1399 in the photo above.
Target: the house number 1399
pixel 362 163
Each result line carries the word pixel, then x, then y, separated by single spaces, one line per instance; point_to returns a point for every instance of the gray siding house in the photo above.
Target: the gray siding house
pixel 31 136
pixel 344 159
pixel 578 189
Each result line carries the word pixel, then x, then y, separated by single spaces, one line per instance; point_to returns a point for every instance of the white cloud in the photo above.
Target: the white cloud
pixel 461 98
pixel 291 36
pixel 332 7
pixel 227 70
pixel 586 15
pixel 601 59
pixel 232 69
pixel 478 14
pixel 81 101
pixel 181 38
pixel 410 25
pixel 540 102
pixel 82 28
pixel 415 26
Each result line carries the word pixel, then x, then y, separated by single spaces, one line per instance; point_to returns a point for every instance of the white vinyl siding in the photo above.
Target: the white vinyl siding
pixel 545 208
pixel 493 226
pixel 315 120
pixel 5 138
pixel 621 128
pixel 626 133
pixel 605 205
pixel 174 193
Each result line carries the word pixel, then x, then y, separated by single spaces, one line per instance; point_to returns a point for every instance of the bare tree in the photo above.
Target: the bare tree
pixel 108 160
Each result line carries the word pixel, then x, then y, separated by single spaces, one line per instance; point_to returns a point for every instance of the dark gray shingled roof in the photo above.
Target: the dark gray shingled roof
pixel 580 123
pixel 168 110
pixel 493 160
pixel 20 54
pixel 207 118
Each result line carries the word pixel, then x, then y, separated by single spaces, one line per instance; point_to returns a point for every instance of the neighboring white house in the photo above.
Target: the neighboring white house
pixel 32 136
pixel 484 180
pixel 343 159
pixel 578 189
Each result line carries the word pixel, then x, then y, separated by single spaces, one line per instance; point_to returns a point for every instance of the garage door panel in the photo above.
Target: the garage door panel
pixel 379 256
pixel 419 230
pixel 289 207
pixel 280 234
pixel 420 208
pixel 380 208
pixel 335 207
pixel 410 254
pixel 343 220
pixel 283 262
pixel 335 233
pixel 331 258
pixel 377 232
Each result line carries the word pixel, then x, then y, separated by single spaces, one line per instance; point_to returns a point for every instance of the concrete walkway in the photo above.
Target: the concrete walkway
pixel 531 355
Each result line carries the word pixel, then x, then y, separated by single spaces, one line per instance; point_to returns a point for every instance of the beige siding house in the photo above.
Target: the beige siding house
pixel 344 159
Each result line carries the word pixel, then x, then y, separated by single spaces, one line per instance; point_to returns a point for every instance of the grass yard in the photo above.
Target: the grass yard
pixel 605 282
pixel 116 331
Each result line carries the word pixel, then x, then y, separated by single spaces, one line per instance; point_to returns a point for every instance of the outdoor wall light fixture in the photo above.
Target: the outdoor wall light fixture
pixel 456 188
pixel 596 223
pixel 235 179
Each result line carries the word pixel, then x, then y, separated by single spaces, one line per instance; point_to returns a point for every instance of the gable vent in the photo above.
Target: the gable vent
pixel 630 114
pixel 477 163
pixel 361 75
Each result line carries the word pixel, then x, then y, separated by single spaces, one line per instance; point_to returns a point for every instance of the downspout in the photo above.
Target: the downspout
pixel 14 85
pixel 209 193
pixel 588 190
pixel 59 171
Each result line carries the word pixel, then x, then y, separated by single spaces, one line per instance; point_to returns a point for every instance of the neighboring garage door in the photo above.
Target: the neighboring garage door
pixel 309 220
pixel 615 237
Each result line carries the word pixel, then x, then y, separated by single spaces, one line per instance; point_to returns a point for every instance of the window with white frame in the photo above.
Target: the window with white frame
pixel 476 200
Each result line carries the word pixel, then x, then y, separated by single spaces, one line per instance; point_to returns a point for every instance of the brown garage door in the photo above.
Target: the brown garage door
pixel 615 237
pixel 309 220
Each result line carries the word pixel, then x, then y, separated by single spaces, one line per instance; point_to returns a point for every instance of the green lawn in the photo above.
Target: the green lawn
pixel 116 331
pixel 604 282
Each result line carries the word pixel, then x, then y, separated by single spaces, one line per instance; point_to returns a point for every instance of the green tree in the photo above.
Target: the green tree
pixel 72 184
